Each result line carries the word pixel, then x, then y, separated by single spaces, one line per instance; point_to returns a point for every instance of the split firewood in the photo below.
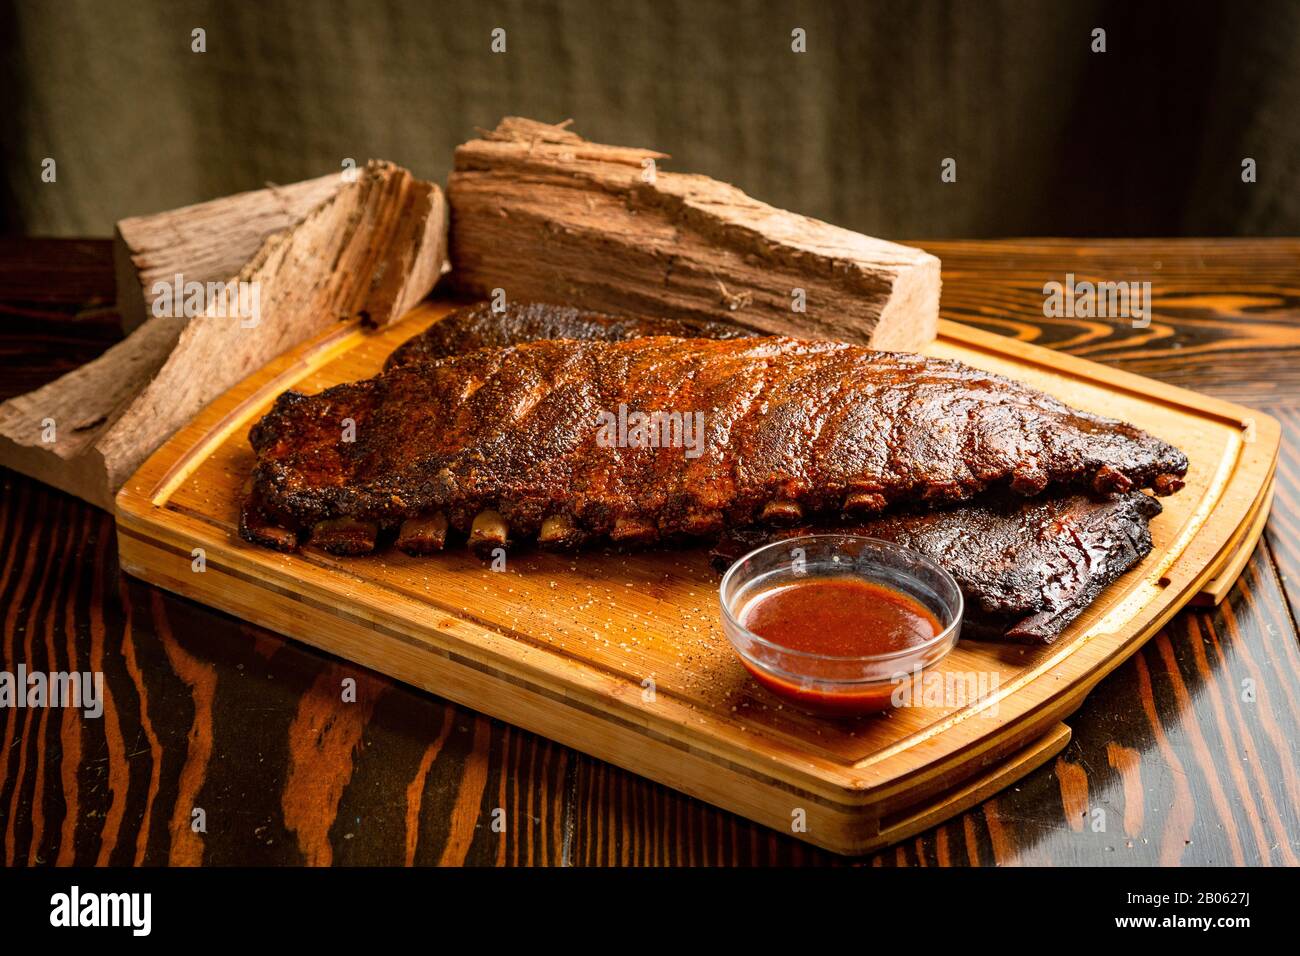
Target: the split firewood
pixel 206 242
pixel 372 250
pixel 540 213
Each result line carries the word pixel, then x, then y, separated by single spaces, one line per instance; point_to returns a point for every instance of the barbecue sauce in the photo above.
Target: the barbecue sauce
pixel 840 617
pixel 843 617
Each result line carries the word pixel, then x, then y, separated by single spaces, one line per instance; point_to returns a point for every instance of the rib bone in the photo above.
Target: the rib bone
pixel 559 531
pixel 345 536
pixel 256 527
pixel 488 531
pixel 423 535
pixel 864 503
pixel 634 531
pixel 780 512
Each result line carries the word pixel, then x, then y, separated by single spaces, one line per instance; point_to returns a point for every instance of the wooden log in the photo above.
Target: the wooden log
pixel 205 242
pixel 371 250
pixel 543 214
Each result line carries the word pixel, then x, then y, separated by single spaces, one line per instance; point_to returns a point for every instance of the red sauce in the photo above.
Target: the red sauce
pixel 843 617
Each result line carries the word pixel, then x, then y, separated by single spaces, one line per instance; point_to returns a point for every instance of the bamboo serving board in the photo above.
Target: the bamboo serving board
pixel 623 657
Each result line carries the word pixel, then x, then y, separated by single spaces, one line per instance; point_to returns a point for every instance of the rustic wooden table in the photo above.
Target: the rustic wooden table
pixel 1188 763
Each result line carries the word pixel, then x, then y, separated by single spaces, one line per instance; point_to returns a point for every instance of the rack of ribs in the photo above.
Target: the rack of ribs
pixel 504 443
pixel 1027 567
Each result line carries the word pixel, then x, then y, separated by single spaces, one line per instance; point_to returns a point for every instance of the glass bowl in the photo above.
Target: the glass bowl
pixel 828 684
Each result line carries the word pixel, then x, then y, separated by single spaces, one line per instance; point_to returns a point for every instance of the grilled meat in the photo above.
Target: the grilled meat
pixel 506 442
pixel 479 327
pixel 1026 568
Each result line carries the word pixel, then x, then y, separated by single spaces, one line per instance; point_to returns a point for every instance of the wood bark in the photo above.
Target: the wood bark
pixel 372 250
pixel 205 242
pixel 541 213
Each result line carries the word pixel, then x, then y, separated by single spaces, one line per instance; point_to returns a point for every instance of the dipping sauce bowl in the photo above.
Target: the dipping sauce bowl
pixel 834 623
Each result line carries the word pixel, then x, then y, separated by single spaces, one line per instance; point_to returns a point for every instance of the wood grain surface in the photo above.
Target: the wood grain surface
pixel 1189 753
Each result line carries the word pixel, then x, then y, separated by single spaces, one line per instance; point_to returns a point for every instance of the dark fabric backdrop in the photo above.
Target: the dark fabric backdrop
pixel 1049 138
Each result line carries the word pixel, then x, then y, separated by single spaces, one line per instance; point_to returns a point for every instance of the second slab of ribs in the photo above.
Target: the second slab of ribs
pixel 1027 567
pixel 483 326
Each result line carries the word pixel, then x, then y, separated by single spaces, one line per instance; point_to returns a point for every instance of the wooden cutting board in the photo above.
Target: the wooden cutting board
pixel 623 657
